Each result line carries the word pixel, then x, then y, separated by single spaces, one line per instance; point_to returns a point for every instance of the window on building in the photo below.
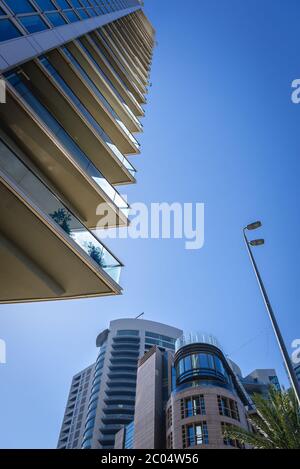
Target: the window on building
pixel 72 17
pixel 8 30
pixel 20 6
pixel 170 441
pixel 45 5
pixel 33 23
pixel 195 434
pixel 56 19
pixel 63 4
pixel 169 417
pixel 228 407
pixel 127 332
pixel 192 406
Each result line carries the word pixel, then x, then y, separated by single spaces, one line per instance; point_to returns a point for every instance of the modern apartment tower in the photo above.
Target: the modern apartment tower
pixel 76 75
pixel 186 399
pixel 111 399
pixel 73 426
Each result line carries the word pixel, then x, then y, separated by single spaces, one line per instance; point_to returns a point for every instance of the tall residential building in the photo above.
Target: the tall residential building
pixel 111 399
pixel 76 75
pixel 188 398
pixel 75 414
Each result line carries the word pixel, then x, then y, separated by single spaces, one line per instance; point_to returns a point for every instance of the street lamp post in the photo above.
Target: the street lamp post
pixel 283 349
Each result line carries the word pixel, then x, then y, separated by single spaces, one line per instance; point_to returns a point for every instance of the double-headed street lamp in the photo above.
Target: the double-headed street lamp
pixel 283 349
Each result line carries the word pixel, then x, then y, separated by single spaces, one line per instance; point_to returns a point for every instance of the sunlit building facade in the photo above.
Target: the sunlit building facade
pixel 111 399
pixel 186 399
pixel 76 75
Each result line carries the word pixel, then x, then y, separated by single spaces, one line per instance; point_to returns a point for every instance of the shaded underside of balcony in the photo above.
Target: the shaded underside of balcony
pixel 38 262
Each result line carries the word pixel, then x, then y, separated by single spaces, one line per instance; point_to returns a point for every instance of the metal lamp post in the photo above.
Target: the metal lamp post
pixel 283 349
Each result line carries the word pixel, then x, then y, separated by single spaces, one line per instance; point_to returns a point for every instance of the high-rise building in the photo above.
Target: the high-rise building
pixel 73 425
pixel 186 399
pixel 111 399
pixel 76 75
pixel 259 381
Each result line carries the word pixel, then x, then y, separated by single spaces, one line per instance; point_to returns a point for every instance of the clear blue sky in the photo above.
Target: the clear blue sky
pixel 221 129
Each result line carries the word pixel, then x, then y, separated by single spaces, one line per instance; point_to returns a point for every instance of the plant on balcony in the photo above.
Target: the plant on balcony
pixel 62 218
pixel 95 253
pixel 276 423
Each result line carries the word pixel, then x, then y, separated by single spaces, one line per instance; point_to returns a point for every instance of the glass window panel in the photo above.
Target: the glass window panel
pixel 45 5
pixel 2 12
pixel 181 366
pixel 187 363
pixel 210 360
pixel 20 6
pixel 56 19
pixel 219 365
pixel 195 361
pixel 82 13
pixel 189 408
pixel 198 434
pixel 191 436
pixel 71 16
pixel 203 360
pixel 8 30
pixel 76 3
pixel 63 4
pixel 33 23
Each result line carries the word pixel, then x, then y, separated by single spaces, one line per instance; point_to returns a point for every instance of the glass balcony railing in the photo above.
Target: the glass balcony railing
pixel 65 87
pixel 49 203
pixel 122 68
pixel 100 96
pixel 196 338
pixel 67 141
pixel 108 81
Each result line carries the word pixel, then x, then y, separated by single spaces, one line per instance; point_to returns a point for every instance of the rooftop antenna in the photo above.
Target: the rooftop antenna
pixel 140 315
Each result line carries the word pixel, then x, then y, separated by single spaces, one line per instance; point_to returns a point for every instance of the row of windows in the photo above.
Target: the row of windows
pixel 128 332
pixel 195 405
pixel 194 435
pixel 204 363
pixel 170 441
pixel 129 436
pixel 192 406
pixel 228 407
pixel 160 337
pixel 55 13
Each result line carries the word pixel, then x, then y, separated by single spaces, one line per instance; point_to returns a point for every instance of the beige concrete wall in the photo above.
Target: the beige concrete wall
pixel 212 417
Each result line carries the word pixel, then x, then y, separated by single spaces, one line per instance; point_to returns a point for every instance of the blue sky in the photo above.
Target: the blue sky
pixel 220 128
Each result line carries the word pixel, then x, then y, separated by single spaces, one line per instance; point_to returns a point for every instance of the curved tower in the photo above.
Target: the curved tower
pixel 207 396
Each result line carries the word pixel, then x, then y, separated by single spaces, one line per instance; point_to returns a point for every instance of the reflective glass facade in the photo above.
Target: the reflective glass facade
pixel 200 365
pixel 21 17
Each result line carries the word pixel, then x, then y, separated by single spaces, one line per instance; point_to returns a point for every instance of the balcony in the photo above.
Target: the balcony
pixel 53 92
pixel 113 57
pixel 139 88
pixel 44 243
pixel 116 409
pixel 87 60
pixel 59 158
pixel 79 81
pixel 93 46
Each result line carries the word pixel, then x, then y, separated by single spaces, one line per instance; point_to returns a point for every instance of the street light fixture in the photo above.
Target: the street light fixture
pixel 257 242
pixel 283 349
